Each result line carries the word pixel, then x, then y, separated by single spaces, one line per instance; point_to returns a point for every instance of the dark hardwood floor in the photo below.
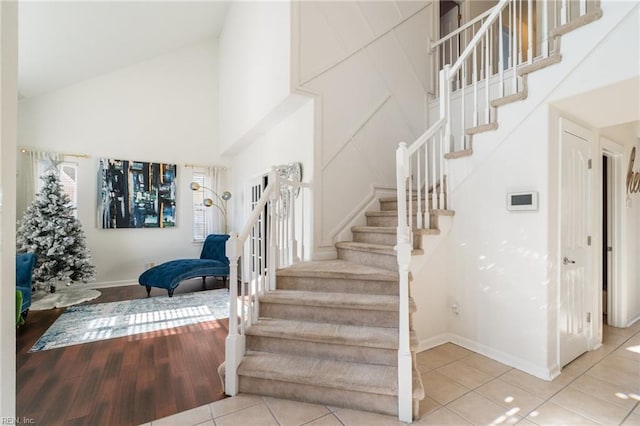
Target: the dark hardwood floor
pixel 123 381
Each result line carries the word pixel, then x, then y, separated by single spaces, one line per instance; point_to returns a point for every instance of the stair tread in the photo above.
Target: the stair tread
pixel 519 96
pixel 376 229
pixel 539 64
pixel 393 213
pixel 414 195
pixel 459 154
pixel 374 302
pixel 392 230
pixel 359 377
pixel 482 128
pixel 443 212
pixel 350 335
pixel 576 23
pixel 372 248
pixel 337 269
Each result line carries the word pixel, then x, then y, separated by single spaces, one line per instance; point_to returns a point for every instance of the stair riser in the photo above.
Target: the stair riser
pixel 329 314
pixel 337 285
pixel 337 352
pixel 383 404
pixel 386 220
pixel 378 238
pixel 382 221
pixel 384 261
pixel 388 206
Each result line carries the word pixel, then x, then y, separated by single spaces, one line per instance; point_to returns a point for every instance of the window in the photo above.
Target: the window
pixel 68 174
pixel 200 213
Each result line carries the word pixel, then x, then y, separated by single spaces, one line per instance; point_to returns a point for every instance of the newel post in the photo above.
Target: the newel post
pixel 403 251
pixel 234 348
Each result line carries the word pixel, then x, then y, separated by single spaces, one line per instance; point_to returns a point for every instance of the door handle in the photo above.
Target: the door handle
pixel 567 261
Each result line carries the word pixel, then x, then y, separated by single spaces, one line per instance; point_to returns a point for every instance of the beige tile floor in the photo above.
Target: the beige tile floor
pixel 462 388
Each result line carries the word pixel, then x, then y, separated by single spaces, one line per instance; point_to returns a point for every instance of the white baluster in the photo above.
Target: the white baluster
pixel 434 169
pixel 410 196
pixel 514 46
pixel 530 30
pixel 475 87
pixel 426 183
pixel 501 58
pixel 293 247
pixel 274 253
pixel 419 223
pixel 486 80
pixel 441 157
pixel 545 29
pixel 520 30
pixel 463 112
pixel 302 210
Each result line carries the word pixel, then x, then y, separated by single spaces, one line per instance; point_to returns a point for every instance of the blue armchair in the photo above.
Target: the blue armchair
pixel 25 263
pixel 212 262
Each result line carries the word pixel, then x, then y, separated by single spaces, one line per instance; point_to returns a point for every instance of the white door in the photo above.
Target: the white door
pixel 575 276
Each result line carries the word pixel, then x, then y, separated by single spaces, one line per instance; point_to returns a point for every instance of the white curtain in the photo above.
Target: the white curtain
pixel 30 164
pixel 208 220
pixel 215 217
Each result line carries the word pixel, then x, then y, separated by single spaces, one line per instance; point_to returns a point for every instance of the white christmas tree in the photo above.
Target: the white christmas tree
pixel 51 231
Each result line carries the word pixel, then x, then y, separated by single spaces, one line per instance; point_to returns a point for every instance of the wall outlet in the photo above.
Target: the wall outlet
pixel 455 308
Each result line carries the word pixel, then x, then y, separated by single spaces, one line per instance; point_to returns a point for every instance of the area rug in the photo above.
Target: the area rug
pixel 66 296
pixel 90 323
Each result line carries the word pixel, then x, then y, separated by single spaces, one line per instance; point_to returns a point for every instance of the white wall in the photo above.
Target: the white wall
pixel 501 277
pixel 8 122
pixel 289 141
pixel 366 65
pixel 161 110
pixel 254 53
pixel 502 273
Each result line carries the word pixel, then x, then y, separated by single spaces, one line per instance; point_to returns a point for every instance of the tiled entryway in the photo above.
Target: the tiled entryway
pixel 462 388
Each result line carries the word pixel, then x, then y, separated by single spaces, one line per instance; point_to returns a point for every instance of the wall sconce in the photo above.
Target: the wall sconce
pixel 208 202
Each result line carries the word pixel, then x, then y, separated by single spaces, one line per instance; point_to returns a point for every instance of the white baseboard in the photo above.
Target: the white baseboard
pixel 105 284
pixel 507 359
pixel 504 358
pixel 432 342
pixel 633 321
pixel 325 253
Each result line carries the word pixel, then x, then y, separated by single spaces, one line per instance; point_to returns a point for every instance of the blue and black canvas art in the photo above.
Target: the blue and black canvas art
pixel 136 194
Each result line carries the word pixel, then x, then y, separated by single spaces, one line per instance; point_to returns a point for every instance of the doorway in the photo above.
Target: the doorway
pixel 613 188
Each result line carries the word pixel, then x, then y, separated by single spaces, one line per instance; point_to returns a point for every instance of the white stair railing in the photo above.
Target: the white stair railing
pixel 273 237
pixel 485 53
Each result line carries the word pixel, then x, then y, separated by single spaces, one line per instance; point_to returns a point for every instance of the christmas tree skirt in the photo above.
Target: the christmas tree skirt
pixel 63 297
pixel 90 323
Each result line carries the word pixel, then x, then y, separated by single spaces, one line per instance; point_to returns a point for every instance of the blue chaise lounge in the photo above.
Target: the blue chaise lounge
pixel 213 262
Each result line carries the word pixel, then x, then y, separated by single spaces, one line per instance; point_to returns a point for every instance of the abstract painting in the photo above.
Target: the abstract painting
pixel 136 194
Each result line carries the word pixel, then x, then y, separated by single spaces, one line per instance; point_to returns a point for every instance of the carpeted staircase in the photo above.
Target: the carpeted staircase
pixel 329 333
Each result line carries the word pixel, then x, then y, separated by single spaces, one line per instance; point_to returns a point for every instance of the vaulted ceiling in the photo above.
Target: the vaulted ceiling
pixel 62 43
